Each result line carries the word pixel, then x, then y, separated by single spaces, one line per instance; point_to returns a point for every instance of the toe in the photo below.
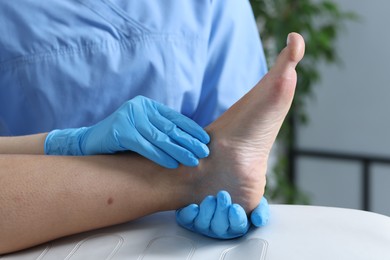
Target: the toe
pixel 296 46
pixel 278 86
pixel 291 54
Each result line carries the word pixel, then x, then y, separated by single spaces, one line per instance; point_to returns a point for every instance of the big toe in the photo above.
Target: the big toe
pixel 291 54
pixel 278 86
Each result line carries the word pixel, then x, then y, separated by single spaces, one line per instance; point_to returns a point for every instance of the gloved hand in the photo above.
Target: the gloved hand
pixel 140 125
pixel 217 217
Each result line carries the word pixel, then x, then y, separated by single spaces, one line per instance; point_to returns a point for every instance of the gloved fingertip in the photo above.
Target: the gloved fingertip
pixel 237 216
pixel 259 220
pixel 187 214
pixel 220 221
pixel 239 224
pixel 209 203
pixel 191 161
pixel 201 134
pixel 205 138
pixel 195 161
pixel 261 214
pixel 206 213
pixel 203 151
pixel 223 198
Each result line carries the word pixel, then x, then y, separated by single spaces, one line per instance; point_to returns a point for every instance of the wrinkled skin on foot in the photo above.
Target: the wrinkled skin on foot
pixel 241 139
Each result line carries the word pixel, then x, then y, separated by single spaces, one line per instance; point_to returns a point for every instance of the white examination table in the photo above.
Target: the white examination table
pixel 294 232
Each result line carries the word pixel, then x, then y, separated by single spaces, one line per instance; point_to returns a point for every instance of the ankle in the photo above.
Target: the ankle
pixel 178 187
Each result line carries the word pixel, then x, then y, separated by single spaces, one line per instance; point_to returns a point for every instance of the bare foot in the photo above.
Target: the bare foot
pixel 242 137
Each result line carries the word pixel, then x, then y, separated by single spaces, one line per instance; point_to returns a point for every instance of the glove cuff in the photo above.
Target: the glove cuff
pixel 65 142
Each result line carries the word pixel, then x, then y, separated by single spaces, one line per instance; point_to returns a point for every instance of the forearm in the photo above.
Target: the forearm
pixel 28 144
pixel 46 197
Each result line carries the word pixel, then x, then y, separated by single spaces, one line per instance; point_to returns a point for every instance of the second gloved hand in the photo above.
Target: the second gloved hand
pixel 217 217
pixel 140 125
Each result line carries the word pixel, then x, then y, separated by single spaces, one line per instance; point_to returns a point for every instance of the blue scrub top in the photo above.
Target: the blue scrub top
pixel 71 63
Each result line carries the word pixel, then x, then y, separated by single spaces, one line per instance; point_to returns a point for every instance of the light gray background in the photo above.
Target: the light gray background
pixel 351 113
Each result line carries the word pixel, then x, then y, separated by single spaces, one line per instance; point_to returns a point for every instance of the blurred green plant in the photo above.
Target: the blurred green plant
pixel 320 23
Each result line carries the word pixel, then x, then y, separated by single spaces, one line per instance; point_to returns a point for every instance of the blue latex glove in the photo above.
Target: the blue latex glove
pixel 260 215
pixel 217 217
pixel 140 125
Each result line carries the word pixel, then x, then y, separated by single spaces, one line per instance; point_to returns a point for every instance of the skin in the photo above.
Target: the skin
pixel 47 197
pixel 29 144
